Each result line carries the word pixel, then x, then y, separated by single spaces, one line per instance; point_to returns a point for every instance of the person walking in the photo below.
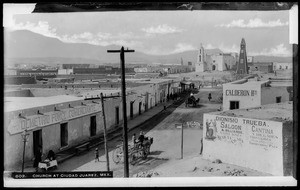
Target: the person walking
pixel 209 96
pixel 96 155
pixel 201 146
pixel 133 140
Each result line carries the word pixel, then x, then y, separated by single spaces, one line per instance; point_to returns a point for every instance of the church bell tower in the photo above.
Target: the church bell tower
pixel 242 67
pixel 200 61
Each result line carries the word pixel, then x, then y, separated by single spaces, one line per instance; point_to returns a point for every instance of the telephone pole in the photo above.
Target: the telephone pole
pixel 104 125
pixel 125 137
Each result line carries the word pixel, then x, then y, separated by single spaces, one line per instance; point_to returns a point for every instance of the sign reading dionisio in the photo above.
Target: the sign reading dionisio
pixel 266 134
pixel 19 124
pixel 252 143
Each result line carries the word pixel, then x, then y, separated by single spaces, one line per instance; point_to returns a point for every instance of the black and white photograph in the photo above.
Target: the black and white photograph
pixel 181 94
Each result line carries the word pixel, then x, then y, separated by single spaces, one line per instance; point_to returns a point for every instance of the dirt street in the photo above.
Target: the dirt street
pixel 166 149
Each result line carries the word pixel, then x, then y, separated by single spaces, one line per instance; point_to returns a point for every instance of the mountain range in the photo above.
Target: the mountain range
pixel 23 46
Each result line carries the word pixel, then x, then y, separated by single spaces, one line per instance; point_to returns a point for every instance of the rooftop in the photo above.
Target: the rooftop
pixel 20 103
pixel 250 81
pixel 275 112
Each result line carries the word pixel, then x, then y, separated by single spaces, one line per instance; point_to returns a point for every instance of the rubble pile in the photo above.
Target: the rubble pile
pixel 235 172
pixel 146 174
pixel 217 161
pixel 208 169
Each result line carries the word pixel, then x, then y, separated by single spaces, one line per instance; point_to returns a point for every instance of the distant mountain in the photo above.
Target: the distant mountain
pixel 23 46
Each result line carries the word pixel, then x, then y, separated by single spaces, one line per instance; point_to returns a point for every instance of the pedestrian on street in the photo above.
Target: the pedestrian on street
pixel 201 146
pixel 96 155
pixel 209 96
pixel 133 139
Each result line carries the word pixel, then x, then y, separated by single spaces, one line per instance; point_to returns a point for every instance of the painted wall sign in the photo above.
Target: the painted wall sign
pixel 19 124
pixel 241 130
pixel 252 143
pixel 240 92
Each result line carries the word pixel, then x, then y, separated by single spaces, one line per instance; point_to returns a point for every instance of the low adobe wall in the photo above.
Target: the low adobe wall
pixel 252 143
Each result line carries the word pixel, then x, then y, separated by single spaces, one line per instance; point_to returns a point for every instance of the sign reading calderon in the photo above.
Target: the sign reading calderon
pixel 19 124
pixel 240 92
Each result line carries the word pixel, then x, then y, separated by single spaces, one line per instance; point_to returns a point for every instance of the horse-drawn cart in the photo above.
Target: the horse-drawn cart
pixel 192 101
pixel 135 151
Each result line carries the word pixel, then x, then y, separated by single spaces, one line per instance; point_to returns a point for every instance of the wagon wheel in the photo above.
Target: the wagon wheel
pixel 117 155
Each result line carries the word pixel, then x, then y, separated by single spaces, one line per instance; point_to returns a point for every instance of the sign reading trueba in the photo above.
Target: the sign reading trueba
pixel 20 124
pixel 252 143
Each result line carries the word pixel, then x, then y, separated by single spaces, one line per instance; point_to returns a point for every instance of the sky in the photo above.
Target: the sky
pixel 161 32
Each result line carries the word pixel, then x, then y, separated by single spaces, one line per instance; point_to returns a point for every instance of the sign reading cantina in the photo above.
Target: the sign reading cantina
pixel 243 131
pixel 18 125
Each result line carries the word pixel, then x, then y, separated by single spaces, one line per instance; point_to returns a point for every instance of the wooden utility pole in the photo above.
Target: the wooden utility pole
pixel 125 137
pixel 182 141
pixel 104 124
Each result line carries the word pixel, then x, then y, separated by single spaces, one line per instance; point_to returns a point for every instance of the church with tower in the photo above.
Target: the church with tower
pixel 215 61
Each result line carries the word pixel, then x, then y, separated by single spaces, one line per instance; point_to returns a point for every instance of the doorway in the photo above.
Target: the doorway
pixel 213 67
pixel 64 134
pixel 146 101
pixel 117 116
pixel 131 110
pixel 93 126
pixel 278 99
pixel 140 108
pixel 37 141
pixel 234 105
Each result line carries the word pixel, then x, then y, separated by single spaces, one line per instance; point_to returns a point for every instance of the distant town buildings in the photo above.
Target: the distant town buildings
pixel 250 59
pixel 242 66
pixel 282 66
pixel 215 62
pixel 266 67
pixel 168 69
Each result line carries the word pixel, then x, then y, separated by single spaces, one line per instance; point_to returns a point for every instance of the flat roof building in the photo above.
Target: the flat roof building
pixel 247 93
pixel 60 122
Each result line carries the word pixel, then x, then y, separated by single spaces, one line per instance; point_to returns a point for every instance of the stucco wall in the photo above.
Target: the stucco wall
pixel 245 101
pixel 18 93
pixel 269 94
pixel 78 125
pixel 256 144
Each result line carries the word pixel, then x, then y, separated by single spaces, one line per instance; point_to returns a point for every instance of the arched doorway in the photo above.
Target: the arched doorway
pixel 213 67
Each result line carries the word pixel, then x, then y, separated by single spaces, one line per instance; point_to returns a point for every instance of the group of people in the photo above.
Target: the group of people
pixel 38 157
pixel 138 141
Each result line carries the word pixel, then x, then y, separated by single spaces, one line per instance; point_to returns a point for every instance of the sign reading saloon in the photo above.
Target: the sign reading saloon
pixel 240 92
pixel 18 125
pixel 242 131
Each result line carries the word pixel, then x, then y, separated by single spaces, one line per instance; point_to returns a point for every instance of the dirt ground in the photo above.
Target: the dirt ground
pixel 165 155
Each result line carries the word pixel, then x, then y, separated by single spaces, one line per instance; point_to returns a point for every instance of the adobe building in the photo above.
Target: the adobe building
pixel 282 66
pixel 259 138
pixel 265 67
pixel 247 93
pixel 64 121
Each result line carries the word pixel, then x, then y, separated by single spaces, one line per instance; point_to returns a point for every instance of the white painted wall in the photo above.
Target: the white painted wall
pixel 235 142
pixel 245 101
